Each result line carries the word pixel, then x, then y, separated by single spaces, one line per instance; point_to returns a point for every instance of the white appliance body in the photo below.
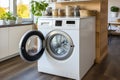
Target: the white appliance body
pixel 66 68
pixel 82 58
pixel 81 32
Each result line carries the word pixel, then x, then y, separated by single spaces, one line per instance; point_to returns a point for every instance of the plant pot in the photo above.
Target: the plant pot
pixel 43 13
pixel 2 22
pixel 36 19
pixel 114 14
pixel 9 22
pixel 19 20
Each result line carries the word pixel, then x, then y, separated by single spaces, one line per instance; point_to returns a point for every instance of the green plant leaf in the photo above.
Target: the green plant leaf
pixel 38 7
pixel 114 9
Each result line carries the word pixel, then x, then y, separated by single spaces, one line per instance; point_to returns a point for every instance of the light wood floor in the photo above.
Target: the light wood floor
pixel 109 69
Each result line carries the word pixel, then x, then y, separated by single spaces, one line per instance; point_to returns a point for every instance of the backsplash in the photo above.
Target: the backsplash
pixel 90 5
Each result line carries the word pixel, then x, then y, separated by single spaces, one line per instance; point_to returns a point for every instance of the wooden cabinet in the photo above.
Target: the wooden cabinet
pixel 102 31
pixel 74 1
pixel 10 38
pixel 87 0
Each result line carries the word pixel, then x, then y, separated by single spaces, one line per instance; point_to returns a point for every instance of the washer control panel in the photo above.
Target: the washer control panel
pixel 58 23
pixel 70 22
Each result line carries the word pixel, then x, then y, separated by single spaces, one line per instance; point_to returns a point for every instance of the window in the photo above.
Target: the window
pixel 17 7
pixel 4 6
pixel 23 8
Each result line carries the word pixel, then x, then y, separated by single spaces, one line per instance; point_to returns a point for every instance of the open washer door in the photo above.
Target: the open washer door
pixel 32 46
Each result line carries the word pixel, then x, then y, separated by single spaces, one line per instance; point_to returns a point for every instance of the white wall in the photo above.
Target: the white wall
pixel 113 3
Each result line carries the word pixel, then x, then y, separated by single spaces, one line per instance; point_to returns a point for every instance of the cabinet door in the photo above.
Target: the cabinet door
pixel 3 42
pixel 87 44
pixel 15 34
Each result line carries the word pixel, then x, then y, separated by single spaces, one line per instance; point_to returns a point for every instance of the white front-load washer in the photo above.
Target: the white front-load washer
pixel 57 46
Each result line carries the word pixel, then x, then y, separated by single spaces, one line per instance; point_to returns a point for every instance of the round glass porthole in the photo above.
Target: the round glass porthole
pixel 59 45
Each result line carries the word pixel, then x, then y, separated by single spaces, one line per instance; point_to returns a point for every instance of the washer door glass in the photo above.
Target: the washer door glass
pixel 59 45
pixel 32 45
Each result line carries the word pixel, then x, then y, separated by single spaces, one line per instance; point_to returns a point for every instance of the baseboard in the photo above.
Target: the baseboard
pixel 8 57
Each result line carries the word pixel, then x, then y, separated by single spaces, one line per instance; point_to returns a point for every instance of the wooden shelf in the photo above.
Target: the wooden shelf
pixel 113 33
pixel 73 1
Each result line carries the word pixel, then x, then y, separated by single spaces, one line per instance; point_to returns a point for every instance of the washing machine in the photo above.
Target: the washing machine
pixel 57 44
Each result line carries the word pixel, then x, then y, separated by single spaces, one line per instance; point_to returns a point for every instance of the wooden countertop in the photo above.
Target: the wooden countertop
pixel 14 25
pixel 114 23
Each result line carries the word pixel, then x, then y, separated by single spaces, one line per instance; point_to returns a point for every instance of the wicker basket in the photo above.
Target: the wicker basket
pixel 85 13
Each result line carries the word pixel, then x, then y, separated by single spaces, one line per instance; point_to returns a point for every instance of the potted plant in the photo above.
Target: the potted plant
pixel 38 8
pixel 18 19
pixel 114 11
pixel 10 18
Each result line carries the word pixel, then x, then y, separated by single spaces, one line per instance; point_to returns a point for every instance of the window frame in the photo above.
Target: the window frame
pixel 13 9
